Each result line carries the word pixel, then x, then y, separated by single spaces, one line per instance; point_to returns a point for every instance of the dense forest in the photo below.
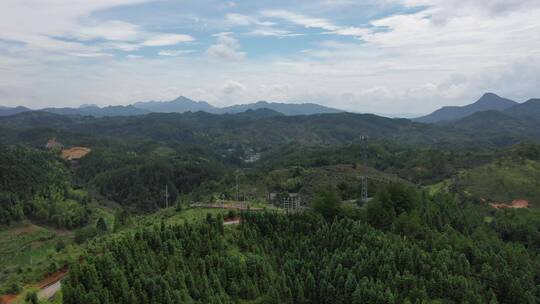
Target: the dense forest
pixel 405 248
pixel 35 184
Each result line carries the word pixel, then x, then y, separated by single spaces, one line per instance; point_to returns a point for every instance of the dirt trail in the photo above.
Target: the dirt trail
pixel 50 285
pixel 49 291
pixel 7 299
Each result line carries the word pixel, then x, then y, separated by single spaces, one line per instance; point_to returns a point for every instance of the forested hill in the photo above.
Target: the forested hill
pixel 257 129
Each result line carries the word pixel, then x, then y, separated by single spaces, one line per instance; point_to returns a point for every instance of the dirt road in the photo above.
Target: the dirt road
pixel 49 291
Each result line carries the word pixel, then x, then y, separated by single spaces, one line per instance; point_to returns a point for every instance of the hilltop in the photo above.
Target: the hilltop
pixel 489 101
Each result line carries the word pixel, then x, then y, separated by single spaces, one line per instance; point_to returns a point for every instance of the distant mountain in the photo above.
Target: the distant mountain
pixel 499 128
pixel 258 113
pixel 179 105
pixel 488 101
pixel 288 109
pixel 96 111
pixel 529 109
pixel 183 104
pixel 6 111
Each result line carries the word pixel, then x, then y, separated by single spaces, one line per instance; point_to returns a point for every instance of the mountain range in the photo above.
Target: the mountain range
pixel 179 105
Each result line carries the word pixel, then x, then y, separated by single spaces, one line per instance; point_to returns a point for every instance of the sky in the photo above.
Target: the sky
pixel 380 56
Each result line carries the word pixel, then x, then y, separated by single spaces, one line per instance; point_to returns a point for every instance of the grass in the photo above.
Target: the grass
pixel 503 181
pixel 27 252
pixel 438 187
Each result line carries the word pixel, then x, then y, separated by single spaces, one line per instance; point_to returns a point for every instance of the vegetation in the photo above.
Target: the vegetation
pixel 502 181
pixel 426 251
pixel 443 244
pixel 36 185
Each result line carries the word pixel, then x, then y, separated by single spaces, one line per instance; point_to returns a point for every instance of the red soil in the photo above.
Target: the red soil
pixel 53 278
pixel 7 299
pixel 75 153
pixel 516 204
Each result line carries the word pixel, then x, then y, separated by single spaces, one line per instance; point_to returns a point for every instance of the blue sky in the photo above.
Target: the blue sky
pixel 386 56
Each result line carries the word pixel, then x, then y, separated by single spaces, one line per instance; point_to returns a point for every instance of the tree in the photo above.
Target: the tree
pixel 327 203
pixel 31 298
pixel 101 226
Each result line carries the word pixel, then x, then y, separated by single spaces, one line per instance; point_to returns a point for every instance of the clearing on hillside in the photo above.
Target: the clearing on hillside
pixel 75 153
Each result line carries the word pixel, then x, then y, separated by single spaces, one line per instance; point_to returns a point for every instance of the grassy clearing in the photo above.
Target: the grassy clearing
pixel 503 181
pixel 28 252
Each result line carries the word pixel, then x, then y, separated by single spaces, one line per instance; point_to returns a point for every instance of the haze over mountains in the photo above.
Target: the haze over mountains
pixel 488 111
pixel 179 105
pixel 488 102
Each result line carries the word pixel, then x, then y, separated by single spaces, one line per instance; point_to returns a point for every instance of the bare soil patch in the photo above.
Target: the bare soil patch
pixel 7 299
pixel 75 153
pixel 52 278
pixel 516 204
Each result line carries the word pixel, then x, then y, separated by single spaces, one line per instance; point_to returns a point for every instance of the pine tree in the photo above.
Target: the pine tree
pixel 101 226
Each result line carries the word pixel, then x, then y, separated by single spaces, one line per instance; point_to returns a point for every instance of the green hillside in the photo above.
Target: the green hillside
pixel 503 181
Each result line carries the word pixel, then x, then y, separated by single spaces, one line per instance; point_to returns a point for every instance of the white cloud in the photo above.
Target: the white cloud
pixel 174 53
pixel 168 39
pixel 271 32
pixel 261 28
pixel 232 87
pixel 319 23
pixel 114 30
pixel 226 47
pixel 37 24
pixel 244 20
pixel 91 54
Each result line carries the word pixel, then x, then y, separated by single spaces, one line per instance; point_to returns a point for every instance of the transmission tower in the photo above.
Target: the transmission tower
pixel 364 177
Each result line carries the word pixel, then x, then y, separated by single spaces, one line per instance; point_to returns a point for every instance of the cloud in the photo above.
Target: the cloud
pixel 114 30
pixel 244 20
pixel 271 32
pixel 232 87
pixel 52 27
pixel 168 39
pixel 444 10
pixel 262 28
pixel 174 53
pixel 226 47
pixel 45 21
pixel 318 23
pixel 91 54
pixel 420 55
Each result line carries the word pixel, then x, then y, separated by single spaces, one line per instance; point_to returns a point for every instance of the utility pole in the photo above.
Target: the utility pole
pixel 237 188
pixel 364 178
pixel 166 196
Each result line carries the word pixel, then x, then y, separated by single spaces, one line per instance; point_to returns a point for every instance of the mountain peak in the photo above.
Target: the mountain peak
pixel 183 99
pixel 179 105
pixel 488 101
pixel 492 98
pixel 489 95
